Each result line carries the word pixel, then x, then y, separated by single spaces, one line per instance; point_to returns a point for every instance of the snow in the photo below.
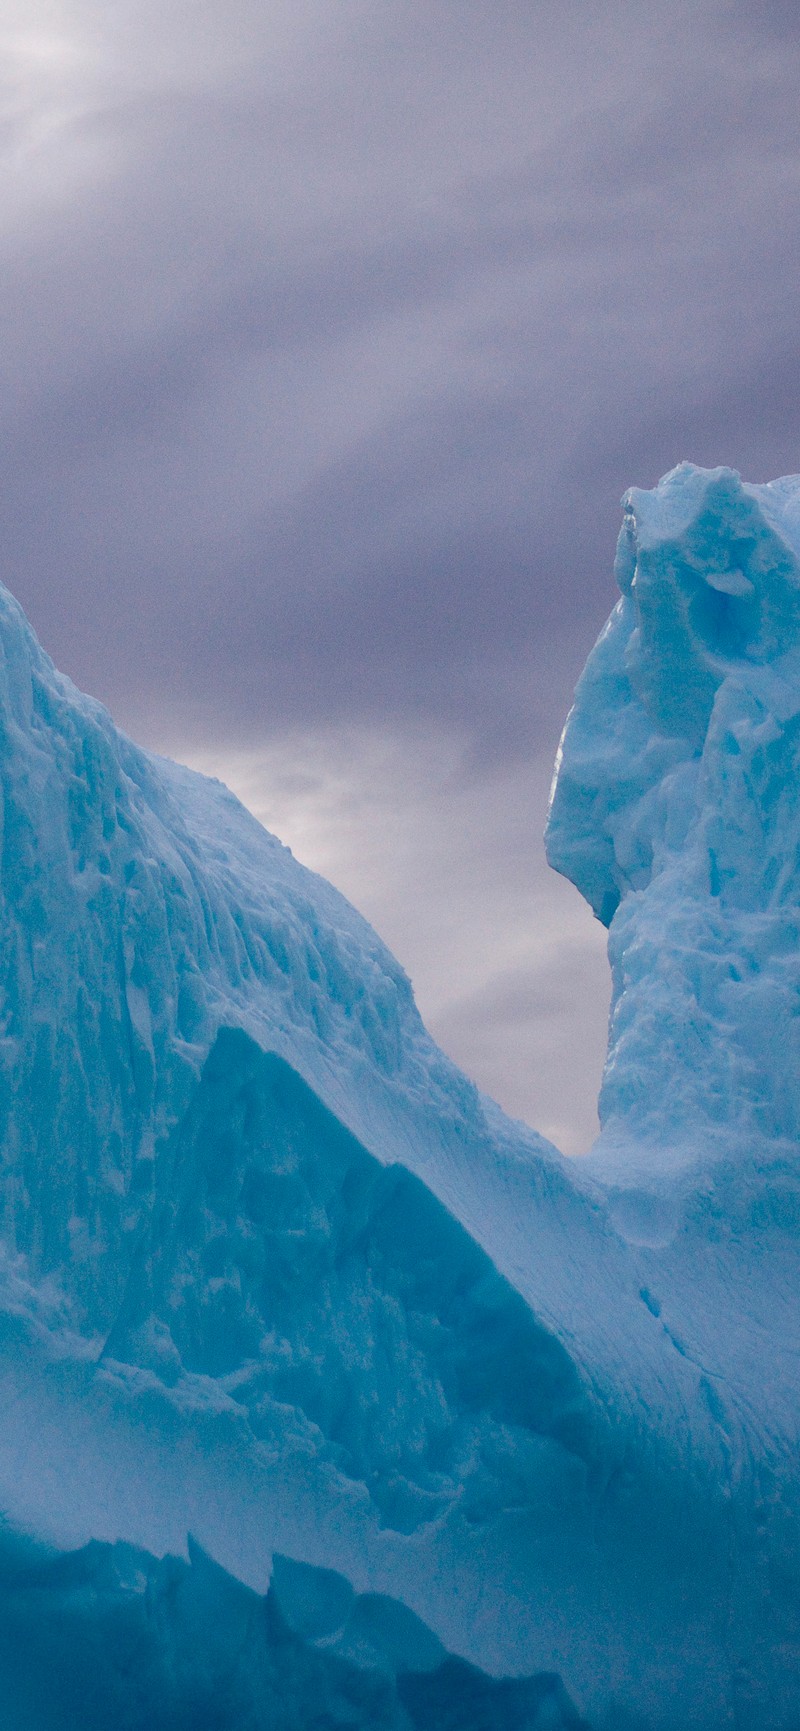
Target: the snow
pixel 273 1273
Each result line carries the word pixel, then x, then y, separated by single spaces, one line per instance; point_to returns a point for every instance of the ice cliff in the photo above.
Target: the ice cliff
pixel 675 810
pixel 466 1435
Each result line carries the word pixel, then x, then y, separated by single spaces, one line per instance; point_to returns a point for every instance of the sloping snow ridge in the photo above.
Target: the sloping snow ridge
pixel 329 1395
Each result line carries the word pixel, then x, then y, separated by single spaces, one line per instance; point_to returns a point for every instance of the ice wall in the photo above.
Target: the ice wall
pixel 676 811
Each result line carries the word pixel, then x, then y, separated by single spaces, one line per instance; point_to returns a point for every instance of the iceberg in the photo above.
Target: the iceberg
pixel 675 811
pixel 329 1394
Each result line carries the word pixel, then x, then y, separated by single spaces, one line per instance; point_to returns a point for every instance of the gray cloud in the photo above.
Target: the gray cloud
pixel 333 335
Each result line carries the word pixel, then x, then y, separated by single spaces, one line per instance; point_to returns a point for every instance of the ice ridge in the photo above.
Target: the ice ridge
pixel 110 1636
pixel 274 1273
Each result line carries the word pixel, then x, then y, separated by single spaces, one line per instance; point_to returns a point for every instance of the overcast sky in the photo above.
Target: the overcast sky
pixel 333 331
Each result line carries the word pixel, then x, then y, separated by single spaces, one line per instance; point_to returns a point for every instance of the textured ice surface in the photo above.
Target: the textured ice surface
pixel 676 811
pixel 273 1273
pixel 111 1637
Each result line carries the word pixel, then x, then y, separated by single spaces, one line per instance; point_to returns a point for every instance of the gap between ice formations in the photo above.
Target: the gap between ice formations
pixel 274 1272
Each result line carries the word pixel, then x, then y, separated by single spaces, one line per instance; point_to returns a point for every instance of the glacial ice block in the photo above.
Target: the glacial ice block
pixel 675 811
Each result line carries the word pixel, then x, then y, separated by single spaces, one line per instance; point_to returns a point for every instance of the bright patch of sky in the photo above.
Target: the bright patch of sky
pixel 508 965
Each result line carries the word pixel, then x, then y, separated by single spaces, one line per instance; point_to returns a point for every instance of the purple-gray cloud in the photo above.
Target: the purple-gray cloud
pixel 333 335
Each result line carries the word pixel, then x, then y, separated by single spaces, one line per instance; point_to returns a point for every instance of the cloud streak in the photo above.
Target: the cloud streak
pixel 333 335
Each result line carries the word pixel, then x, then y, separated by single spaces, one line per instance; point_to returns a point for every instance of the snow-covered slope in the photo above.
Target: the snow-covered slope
pixel 273 1272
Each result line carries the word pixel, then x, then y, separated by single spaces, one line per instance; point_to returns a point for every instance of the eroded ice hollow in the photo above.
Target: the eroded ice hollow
pixel 273 1273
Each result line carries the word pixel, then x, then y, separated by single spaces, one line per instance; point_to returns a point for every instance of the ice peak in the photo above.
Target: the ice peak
pixel 674 807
